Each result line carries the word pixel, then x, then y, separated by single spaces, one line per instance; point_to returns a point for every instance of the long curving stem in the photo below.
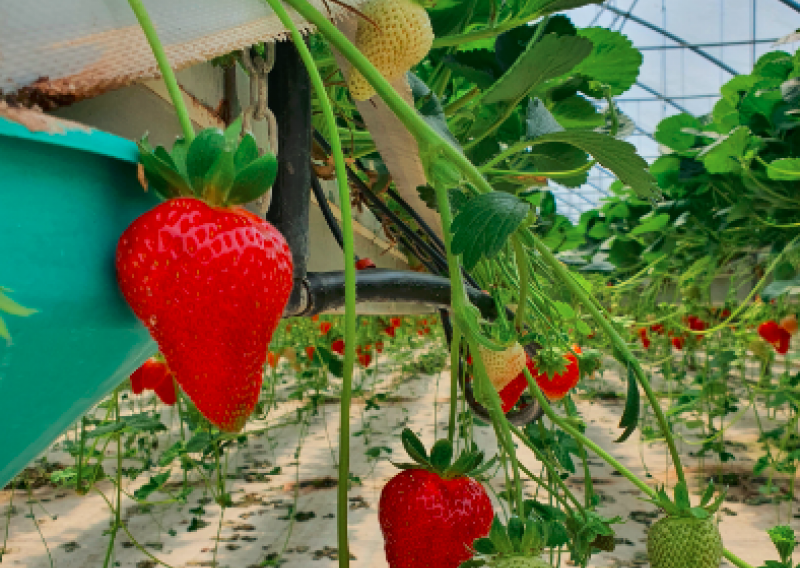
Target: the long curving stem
pixel 163 65
pixel 349 278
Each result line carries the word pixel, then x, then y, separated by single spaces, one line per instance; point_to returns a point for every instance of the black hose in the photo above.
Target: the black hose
pixel 322 201
pixel 326 290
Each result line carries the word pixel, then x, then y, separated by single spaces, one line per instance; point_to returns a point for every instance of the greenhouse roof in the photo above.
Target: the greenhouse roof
pixel 690 48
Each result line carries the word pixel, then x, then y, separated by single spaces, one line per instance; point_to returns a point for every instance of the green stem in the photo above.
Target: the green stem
pixel 458 104
pixel 619 344
pixel 524 282
pixel 349 268
pixel 166 71
pixel 455 356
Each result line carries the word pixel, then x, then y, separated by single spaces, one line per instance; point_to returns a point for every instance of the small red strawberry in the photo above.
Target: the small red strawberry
pixel 155 375
pixel 431 512
pixel 677 343
pixel 310 352
pixel 657 328
pixel 562 382
pixel 325 327
pixel 395 322
pixel 390 331
pixel 775 335
pixel 696 324
pixel 338 346
pixel 643 336
pixel 365 264
pixel 379 346
pixel 365 359
pixel 207 278
pixel 315 318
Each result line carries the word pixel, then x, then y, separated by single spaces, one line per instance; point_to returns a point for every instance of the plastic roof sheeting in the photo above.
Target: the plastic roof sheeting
pixel 723 36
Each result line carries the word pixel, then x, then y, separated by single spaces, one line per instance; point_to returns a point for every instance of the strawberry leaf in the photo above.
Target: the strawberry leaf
pixel 254 180
pixel 484 224
pixel 203 152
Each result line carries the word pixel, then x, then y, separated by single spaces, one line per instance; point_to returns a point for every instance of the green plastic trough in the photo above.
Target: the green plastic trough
pixel 66 195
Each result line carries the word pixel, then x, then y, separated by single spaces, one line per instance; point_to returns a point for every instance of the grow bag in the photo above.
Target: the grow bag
pixel 66 194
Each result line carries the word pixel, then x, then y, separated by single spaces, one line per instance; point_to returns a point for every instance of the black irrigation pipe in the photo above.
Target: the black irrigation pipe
pixel 322 201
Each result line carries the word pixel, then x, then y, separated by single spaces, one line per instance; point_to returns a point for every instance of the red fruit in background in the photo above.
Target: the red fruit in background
pixel 379 346
pixel 325 327
pixel 390 331
pixel 431 517
pixel 210 284
pixel 775 335
pixel 420 332
pixel 272 359
pixel 643 336
pixel 696 324
pixel 154 375
pixel 364 264
pixel 657 328
pixel 677 343
pixel 315 318
pixel 310 352
pixel 365 359
pixel 561 383
pixel 395 322
pixel 427 330
pixel 725 314
pixel 338 346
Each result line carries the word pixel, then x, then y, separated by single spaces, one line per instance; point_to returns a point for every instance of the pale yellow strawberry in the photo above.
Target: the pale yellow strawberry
pixel 503 366
pixel 402 39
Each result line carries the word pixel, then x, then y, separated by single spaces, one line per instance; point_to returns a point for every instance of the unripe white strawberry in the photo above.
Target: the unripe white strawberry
pixel 502 367
pixel 402 38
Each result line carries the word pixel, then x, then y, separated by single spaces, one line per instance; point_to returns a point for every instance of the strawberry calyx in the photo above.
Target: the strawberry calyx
pixel 681 505
pixel 221 168
pixel 551 361
pixel 521 538
pixel 440 461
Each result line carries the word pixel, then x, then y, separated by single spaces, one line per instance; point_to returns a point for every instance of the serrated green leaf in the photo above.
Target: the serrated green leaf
pixel 485 223
pixel 254 180
pixel 203 152
pixel 672 132
pixel 616 155
pixel 246 153
pixel 441 454
pixel 550 57
pixel 630 415
pixel 652 224
pixel 478 66
pixel 723 156
pixel 779 288
pixel 537 8
pixel 564 310
pixel 614 61
pixel 577 112
pixel 155 483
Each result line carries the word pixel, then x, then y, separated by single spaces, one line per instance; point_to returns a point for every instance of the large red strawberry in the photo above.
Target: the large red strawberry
pixel 208 279
pixel 563 381
pixel 431 512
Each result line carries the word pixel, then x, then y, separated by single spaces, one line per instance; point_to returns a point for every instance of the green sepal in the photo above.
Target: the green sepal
pixel 254 180
pixel 162 176
pixel 533 539
pixel 484 546
pixel 441 455
pixel 499 537
pixel 516 529
pixel 246 153
pixel 203 152
pixel 232 132
pixel 414 448
pixel 219 178
pixel 180 149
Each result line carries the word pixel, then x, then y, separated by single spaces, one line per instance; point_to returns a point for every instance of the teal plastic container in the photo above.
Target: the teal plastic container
pixel 65 198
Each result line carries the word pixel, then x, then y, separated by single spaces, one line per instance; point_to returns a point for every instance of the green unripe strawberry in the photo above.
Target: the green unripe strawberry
pixel 683 542
pixel 519 562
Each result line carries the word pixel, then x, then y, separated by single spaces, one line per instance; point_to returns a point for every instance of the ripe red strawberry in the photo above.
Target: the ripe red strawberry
pixel 154 375
pixel 325 327
pixel 365 359
pixel 677 343
pixel 379 346
pixel 364 264
pixel 310 352
pixel 390 331
pixel 562 382
pixel 775 335
pixel 338 346
pixel 431 512
pixel 696 324
pixel 210 284
pixel 643 336
pixel 395 322
pixel 657 328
